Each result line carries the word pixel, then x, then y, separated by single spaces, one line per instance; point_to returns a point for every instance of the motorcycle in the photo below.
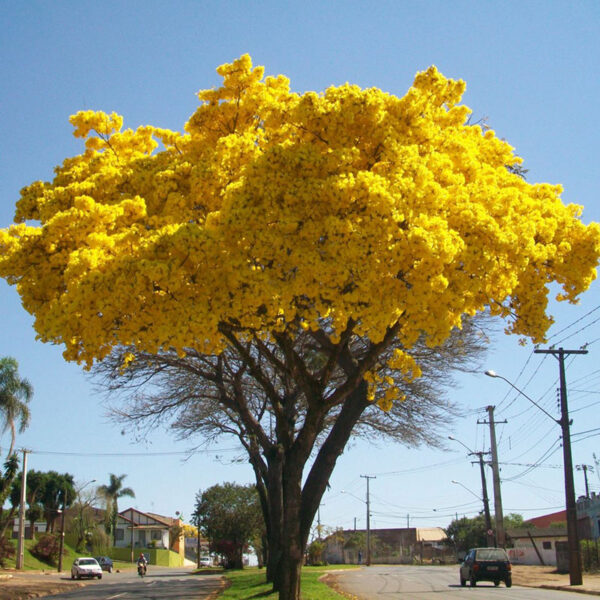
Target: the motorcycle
pixel 141 570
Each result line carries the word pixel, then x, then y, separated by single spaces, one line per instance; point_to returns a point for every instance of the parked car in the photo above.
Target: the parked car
pixel 206 561
pixel 86 567
pixel 105 562
pixel 486 564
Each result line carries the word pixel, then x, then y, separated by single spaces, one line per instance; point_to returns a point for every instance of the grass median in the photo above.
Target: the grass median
pixel 251 583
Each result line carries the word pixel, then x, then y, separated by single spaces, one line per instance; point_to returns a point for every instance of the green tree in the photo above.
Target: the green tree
pixel 7 477
pixel 46 493
pixel 111 493
pixel 466 533
pixel 15 394
pixel 229 516
pixel 58 492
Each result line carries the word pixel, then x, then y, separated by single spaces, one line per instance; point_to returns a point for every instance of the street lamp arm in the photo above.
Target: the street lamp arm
pixel 468 490
pixel 463 445
pixel 351 494
pixel 491 373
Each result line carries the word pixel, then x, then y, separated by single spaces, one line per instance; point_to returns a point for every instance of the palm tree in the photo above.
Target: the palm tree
pixel 111 493
pixel 15 393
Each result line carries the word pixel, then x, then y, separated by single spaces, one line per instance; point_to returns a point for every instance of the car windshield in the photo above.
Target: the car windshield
pixel 87 561
pixel 491 554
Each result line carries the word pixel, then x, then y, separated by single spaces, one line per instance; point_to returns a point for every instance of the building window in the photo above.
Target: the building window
pixel 547 545
pixel 155 534
pixel 119 535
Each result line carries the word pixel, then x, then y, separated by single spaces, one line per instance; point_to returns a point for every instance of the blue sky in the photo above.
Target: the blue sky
pixel 531 69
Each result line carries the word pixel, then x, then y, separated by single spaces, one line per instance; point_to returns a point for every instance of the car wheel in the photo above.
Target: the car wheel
pixel 463 582
pixel 110 569
pixel 72 576
pixel 496 583
pixel 508 581
pixel 100 576
pixel 473 581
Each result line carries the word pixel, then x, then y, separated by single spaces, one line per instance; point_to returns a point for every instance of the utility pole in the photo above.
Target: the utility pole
pixel 368 477
pixel 486 502
pixel 62 530
pixel 21 539
pixel 319 522
pixel 585 468
pixel 500 537
pixel 575 574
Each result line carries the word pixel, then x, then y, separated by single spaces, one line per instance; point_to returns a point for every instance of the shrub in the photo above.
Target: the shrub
pixel 47 548
pixel 315 553
pixel 7 550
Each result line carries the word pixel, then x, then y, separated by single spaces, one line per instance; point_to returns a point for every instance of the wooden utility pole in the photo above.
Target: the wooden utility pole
pixel 500 536
pixel 21 538
pixel 486 502
pixel 585 469
pixel 575 570
pixel 368 477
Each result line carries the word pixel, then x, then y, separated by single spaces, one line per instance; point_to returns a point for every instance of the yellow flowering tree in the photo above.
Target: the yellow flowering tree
pixel 350 215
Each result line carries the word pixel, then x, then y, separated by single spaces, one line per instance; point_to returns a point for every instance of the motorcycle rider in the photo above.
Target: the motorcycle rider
pixel 142 562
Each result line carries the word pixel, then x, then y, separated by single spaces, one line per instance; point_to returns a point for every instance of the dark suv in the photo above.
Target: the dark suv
pixel 486 564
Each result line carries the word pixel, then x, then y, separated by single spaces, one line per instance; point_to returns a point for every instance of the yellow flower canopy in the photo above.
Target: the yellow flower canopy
pixel 275 208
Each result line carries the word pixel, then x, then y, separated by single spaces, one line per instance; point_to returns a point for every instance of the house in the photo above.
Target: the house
pixel 390 546
pixel 535 545
pixel 549 520
pixel 588 516
pixel 137 529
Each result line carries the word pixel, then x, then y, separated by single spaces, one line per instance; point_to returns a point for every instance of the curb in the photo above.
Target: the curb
pixel 559 588
pixel 563 588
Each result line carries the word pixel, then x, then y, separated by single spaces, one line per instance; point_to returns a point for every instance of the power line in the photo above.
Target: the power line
pixel 133 454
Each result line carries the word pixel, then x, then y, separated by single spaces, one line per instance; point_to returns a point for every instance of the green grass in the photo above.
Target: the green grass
pixel 251 583
pixel 33 564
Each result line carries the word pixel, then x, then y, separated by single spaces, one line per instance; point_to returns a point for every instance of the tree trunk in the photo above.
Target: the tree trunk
pixel 292 556
pixel 275 517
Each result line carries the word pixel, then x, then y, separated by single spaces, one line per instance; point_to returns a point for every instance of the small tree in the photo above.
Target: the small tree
pixel 229 515
pixel 83 521
pixel 315 552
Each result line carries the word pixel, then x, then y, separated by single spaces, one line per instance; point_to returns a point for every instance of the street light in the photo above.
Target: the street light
pixel 486 503
pixel 466 488
pixel 62 522
pixel 575 575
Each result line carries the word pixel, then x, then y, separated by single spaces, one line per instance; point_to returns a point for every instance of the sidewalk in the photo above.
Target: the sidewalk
pixel 548 578
pixel 35 584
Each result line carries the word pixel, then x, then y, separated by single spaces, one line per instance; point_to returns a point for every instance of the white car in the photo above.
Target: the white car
pixel 206 561
pixel 86 567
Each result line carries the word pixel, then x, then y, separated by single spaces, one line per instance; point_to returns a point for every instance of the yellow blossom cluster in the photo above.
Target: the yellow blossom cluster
pixel 274 208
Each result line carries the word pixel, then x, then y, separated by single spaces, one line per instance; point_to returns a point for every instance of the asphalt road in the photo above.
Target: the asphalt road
pixel 159 584
pixel 433 583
